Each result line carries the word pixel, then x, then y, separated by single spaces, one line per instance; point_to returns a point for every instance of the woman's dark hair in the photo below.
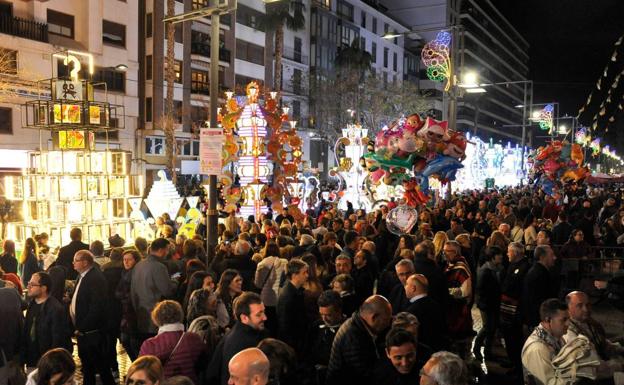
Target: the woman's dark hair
pixel 53 362
pixel 189 249
pixel 408 240
pixel 195 281
pixel 281 357
pixel 573 234
pixel 8 247
pixel 223 291
pixel 57 276
pixel 135 255
pixel 30 246
pixel 193 266
pixel 116 254
pixel 271 250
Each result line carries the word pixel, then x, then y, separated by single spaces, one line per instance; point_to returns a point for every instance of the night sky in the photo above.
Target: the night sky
pixel 571 43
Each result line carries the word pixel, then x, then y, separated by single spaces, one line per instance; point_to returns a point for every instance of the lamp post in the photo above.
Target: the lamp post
pixel 215 12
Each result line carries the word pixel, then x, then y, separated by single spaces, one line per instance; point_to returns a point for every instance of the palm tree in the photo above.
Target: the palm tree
pixel 278 14
pixel 168 120
pixel 352 64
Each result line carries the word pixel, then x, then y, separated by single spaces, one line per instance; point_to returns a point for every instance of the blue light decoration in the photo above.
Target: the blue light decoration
pixel 545 118
pixel 436 56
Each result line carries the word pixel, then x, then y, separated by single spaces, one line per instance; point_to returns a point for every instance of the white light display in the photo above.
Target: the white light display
pixel 349 168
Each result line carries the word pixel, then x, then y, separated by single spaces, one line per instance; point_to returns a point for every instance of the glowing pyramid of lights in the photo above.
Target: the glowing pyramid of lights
pixel 163 197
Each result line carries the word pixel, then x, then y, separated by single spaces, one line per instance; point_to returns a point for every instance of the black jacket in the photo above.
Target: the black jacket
pixel 239 338
pixel 432 329
pixel 319 342
pixel 354 354
pixel 12 321
pixel 397 299
pixel 537 289
pixel 52 327
pixel 91 302
pixel 112 273
pixel 245 266
pixel 66 257
pixel 291 315
pixel 386 374
pixel 364 281
pixel 438 288
pixel 512 281
pixel 561 233
pixel 488 289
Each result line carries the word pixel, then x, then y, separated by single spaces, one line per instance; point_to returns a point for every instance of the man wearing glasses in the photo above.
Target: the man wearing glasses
pixel 47 325
pixel 444 368
pixel 88 313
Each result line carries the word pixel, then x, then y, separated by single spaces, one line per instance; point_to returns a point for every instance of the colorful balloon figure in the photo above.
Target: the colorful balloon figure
pixel 557 165
pixel 409 151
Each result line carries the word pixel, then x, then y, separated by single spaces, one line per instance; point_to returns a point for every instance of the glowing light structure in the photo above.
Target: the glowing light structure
pixel 163 197
pixel 253 165
pixel 582 137
pixel 436 56
pixel 354 138
pixel 73 185
pixel 595 146
pixel 488 160
pixel 545 118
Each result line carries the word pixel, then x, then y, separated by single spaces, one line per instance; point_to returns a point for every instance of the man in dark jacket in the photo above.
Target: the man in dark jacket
pixel 488 300
pixel 47 323
pixel 247 332
pixel 438 288
pixel 562 230
pixel 431 318
pixel 404 269
pixel 11 330
pixel 67 252
pixel 356 348
pixel 88 313
pixel 321 335
pixel 537 286
pixel 291 315
pixel 512 283
pixel 362 276
pixel 241 261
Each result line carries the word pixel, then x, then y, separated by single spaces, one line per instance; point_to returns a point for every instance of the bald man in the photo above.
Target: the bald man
pixel 581 322
pixel 355 351
pixel 432 323
pixel 249 367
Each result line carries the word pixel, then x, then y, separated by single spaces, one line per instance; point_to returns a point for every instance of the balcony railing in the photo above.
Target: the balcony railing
pixel 294 88
pixel 203 88
pixel 203 49
pixel 28 29
pixel 293 55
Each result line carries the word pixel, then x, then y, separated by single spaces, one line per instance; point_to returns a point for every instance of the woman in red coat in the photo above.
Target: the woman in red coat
pixel 179 351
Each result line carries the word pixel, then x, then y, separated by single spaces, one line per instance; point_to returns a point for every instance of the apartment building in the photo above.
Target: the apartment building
pixel 32 31
pixel 489 45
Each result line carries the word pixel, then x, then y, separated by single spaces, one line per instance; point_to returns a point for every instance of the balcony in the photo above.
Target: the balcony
pixel 203 49
pixel 203 88
pixel 296 56
pixel 28 29
pixel 294 88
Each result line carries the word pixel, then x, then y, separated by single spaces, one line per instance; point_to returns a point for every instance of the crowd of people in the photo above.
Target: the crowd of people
pixel 326 298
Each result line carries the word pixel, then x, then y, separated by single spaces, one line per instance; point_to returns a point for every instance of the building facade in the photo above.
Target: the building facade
pixel 488 45
pixel 32 31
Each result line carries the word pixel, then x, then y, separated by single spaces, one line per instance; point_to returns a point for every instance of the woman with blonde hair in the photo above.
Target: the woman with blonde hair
pixel 145 370
pixel 28 262
pixel 497 239
pixel 268 278
pixel 439 240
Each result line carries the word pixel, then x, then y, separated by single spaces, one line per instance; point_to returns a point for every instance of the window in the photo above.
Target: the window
pixel 374 52
pixel 60 24
pixel 115 80
pixel 345 10
pixel 154 145
pixel 9 59
pixel 199 114
pixel 363 21
pixel 297 49
pixel 148 67
pixel 249 52
pixel 148 25
pixel 394 62
pixel 296 81
pixel 248 16
pixel 385 57
pixel 374 25
pixel 6 121
pixel 148 109
pixel 296 109
pixel 113 33
pixel 200 83
pixel 177 69
pixel 363 43
pixel 178 33
pixel 177 111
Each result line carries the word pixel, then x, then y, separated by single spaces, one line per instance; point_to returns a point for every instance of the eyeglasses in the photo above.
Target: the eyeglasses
pixel 30 284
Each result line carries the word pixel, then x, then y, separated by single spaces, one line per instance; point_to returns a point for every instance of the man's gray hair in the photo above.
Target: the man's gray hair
pixel 448 369
pixel 517 248
pixel 455 245
pixel 306 240
pixel 407 263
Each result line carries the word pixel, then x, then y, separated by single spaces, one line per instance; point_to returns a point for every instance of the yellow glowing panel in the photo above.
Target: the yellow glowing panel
pixel 98 162
pixel 116 187
pixel 99 209
pixel 71 188
pixel 94 114
pixel 54 162
pixel 72 140
pixel 75 212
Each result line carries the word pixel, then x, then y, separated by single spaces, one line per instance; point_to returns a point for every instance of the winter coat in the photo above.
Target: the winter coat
pixel 150 285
